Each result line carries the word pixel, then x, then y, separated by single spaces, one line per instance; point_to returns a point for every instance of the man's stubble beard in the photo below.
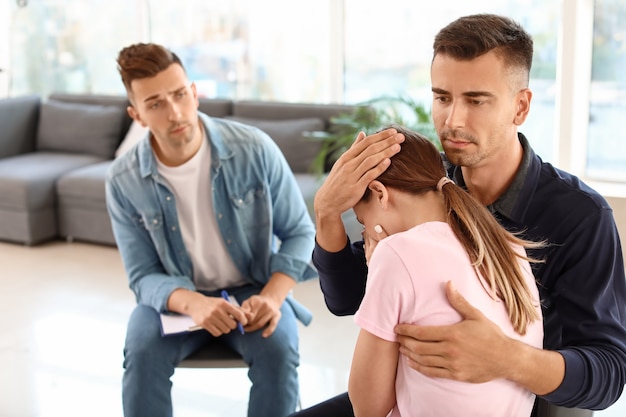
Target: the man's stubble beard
pixel 460 157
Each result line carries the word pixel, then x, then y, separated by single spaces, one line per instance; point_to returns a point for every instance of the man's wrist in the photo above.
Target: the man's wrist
pixel 538 370
pixel 181 300
pixel 278 287
pixel 330 232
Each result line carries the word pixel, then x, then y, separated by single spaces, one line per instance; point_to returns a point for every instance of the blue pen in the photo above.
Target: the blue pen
pixel 227 298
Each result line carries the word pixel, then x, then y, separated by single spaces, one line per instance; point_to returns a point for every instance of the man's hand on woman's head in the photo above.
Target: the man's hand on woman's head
pixel 367 158
pixel 364 161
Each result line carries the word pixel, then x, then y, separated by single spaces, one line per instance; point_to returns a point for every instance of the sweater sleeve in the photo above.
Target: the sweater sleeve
pixel 589 297
pixel 342 277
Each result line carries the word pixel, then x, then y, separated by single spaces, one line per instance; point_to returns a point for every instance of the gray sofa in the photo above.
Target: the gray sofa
pixel 54 154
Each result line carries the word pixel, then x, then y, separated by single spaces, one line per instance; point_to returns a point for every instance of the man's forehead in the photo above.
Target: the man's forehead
pixel 465 76
pixel 165 83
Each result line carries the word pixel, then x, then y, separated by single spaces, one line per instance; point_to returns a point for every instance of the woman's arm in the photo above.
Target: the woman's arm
pixel 372 385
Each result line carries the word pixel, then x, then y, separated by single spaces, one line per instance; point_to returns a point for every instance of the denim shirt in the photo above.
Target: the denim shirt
pixel 258 205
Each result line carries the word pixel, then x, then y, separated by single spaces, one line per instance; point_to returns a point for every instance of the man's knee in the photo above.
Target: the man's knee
pixel 143 336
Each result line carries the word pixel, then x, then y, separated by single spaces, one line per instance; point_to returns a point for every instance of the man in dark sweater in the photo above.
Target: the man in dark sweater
pixel 479 75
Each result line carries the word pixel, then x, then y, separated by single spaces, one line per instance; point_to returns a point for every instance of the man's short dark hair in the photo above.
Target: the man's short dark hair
pixel 472 36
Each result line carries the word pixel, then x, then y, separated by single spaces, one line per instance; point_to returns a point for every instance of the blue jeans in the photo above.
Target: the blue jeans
pixel 150 361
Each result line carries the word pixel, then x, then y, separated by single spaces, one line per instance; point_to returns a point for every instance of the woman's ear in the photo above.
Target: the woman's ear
pixel 379 193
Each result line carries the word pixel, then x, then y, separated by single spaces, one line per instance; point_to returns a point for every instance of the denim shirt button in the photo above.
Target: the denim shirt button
pixel 173 228
pixel 168 198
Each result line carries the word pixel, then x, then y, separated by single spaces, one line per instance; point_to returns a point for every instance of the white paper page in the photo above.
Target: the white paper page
pixel 176 323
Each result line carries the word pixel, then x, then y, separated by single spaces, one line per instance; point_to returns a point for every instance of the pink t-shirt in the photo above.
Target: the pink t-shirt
pixel 406 284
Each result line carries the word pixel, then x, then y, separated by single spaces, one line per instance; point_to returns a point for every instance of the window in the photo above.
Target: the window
pixel 324 51
pixel 245 49
pixel 606 144
pixel 57 46
pixel 389 52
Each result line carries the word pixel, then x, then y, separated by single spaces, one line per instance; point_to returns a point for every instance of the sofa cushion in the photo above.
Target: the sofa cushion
pixel 82 211
pixel 27 182
pixel 18 124
pixel 288 135
pixel 85 186
pixel 80 128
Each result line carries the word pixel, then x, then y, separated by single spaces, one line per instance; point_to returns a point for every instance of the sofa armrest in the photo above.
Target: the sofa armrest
pixel 18 124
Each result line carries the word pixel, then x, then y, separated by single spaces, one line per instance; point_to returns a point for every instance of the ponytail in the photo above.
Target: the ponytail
pixel 490 249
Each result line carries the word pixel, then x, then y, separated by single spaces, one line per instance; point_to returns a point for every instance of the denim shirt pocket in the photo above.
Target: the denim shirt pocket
pixel 153 223
pixel 252 208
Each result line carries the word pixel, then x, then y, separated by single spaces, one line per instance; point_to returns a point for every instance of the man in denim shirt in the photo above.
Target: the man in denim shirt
pixel 202 205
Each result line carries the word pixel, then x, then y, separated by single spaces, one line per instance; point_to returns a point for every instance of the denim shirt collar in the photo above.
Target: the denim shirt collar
pixel 219 148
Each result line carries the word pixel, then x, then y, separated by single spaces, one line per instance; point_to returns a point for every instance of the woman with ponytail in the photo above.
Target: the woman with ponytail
pixel 435 232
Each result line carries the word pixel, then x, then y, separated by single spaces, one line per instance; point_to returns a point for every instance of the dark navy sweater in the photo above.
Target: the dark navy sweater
pixel 581 283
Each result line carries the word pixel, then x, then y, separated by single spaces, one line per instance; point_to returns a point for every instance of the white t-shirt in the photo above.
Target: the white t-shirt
pixel 406 284
pixel 190 182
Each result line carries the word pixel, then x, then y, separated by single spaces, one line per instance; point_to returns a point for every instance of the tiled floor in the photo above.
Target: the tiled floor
pixel 63 311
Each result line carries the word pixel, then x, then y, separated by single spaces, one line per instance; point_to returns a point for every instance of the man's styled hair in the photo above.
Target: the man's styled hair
pixel 472 36
pixel 144 60
pixel 417 169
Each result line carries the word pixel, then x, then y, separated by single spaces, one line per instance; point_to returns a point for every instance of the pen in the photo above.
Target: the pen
pixel 227 298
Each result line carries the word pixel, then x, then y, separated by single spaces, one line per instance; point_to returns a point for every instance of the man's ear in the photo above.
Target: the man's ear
pixel 523 106
pixel 194 90
pixel 134 114
pixel 379 193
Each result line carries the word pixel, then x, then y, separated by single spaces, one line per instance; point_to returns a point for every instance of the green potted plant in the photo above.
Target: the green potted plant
pixel 370 117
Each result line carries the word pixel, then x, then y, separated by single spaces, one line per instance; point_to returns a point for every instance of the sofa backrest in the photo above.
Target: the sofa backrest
pixel 216 107
pixel 18 124
pixel 281 111
pixel 288 124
